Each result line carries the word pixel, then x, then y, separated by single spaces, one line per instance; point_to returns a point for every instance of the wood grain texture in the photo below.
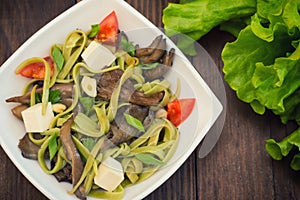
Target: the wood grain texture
pixel 237 168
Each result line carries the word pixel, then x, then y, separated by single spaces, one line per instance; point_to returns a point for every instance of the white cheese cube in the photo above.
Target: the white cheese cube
pixel 89 86
pixel 34 120
pixel 96 56
pixel 110 174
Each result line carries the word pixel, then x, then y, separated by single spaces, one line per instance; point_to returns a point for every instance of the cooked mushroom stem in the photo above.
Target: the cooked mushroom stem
pixel 65 89
pixel 18 110
pixel 72 154
pixel 24 99
pixel 141 52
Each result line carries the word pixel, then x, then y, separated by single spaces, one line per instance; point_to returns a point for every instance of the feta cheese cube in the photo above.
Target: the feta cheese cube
pixel 110 174
pixel 96 56
pixel 34 120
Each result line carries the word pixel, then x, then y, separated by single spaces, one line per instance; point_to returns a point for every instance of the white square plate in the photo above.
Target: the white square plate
pixel 141 31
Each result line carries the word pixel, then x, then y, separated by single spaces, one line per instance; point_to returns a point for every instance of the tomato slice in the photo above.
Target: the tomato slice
pixel 37 70
pixel 179 110
pixel 108 29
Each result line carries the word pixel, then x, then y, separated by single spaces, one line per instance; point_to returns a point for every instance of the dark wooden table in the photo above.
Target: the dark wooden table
pixel 237 168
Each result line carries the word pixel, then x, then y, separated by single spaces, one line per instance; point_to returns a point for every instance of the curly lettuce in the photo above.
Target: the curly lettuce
pixel 260 71
pixel 278 150
pixel 263 66
pixel 195 18
pixel 198 17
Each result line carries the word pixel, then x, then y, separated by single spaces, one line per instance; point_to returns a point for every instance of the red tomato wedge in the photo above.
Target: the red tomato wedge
pixel 108 29
pixel 36 70
pixel 179 110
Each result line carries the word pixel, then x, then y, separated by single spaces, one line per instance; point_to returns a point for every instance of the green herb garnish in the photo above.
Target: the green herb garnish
pixel 58 57
pixel 128 46
pixel 149 159
pixel 95 28
pixel 54 96
pixel 134 122
pixel 87 103
pixel 52 146
pixel 89 143
pixel 148 66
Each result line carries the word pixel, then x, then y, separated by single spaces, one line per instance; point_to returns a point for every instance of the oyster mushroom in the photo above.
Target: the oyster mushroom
pixel 28 148
pixel 162 68
pixel 73 155
pixel 65 89
pixel 107 82
pixel 141 52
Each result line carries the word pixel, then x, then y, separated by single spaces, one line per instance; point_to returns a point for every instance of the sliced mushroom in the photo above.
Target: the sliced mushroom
pixel 162 68
pixel 24 99
pixel 120 130
pixel 141 52
pixel 65 174
pixel 157 54
pixel 73 155
pixel 67 101
pixel 28 148
pixel 168 59
pixel 65 89
pixel 108 81
pixel 18 110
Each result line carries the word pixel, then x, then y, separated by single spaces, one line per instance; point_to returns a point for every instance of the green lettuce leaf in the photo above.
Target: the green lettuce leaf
pixel 234 26
pixel 202 15
pixel 268 8
pixel 265 28
pixel 263 67
pixel 278 150
pixel 259 70
pixel 198 17
pixel 291 14
pixel 295 163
